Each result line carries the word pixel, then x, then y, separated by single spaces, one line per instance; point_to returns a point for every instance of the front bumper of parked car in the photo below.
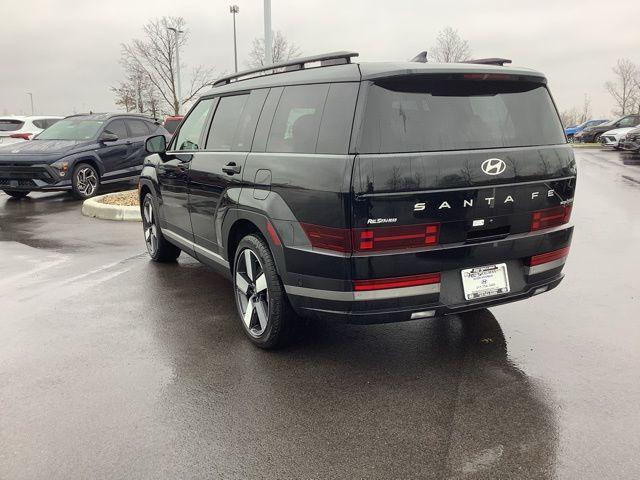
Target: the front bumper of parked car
pixel 38 176
pixel 609 141
pixel 631 142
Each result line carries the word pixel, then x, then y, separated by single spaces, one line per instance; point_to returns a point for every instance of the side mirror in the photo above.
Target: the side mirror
pixel 156 144
pixel 108 137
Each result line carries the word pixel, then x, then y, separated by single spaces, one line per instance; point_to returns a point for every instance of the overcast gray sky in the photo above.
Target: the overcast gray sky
pixel 66 51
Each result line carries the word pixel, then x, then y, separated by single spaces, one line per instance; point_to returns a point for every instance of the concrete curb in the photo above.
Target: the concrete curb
pixel 631 179
pixel 93 208
pixel 586 145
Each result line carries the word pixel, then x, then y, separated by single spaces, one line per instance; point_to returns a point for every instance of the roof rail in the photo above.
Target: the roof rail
pixel 326 59
pixel 490 61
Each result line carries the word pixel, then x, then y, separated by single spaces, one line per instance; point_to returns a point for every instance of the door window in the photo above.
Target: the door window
pixel 138 128
pixel 296 122
pixel 225 123
pixel 118 127
pixel 188 137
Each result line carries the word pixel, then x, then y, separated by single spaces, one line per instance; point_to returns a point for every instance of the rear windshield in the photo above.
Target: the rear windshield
pixel 10 125
pixel 421 114
pixel 71 129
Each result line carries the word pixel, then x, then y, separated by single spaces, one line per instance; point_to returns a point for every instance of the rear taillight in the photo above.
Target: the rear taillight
pixel 548 257
pixel 328 238
pixel 23 136
pixel 394 238
pixel 372 239
pixel 398 282
pixel 550 217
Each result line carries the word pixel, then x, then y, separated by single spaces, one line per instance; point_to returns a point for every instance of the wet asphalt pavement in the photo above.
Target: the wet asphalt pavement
pixel 114 367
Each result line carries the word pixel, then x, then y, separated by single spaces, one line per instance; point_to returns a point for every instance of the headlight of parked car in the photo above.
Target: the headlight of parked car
pixel 61 166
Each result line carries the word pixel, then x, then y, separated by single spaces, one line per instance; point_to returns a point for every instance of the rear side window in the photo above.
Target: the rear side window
pixel 191 130
pixel 42 123
pixel 296 123
pixel 10 125
pixel 225 122
pixel 118 127
pixel 440 113
pixel 337 118
pixel 138 128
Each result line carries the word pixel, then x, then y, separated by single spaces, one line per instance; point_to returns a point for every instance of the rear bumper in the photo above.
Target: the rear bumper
pixel 31 178
pixel 331 298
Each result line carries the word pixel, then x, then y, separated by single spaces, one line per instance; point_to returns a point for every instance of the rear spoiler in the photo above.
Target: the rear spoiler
pixel 499 62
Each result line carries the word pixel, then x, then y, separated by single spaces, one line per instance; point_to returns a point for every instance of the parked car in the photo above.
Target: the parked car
pixel 611 138
pixel 171 123
pixel 18 129
pixel 631 141
pixel 366 193
pixel 592 134
pixel 571 131
pixel 77 154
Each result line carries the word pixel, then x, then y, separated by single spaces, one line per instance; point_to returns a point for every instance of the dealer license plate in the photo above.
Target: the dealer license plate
pixel 487 281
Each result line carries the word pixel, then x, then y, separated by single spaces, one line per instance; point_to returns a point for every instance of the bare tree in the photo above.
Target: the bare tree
pixel 155 56
pixel 624 89
pixel 282 50
pixel 570 118
pixel 125 96
pixel 450 47
pixel 586 109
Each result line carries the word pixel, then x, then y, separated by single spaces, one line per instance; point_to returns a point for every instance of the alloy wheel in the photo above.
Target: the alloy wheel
pixel 252 294
pixel 150 229
pixel 87 181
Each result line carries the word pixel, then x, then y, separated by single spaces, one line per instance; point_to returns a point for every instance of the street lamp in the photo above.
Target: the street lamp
pixel 177 32
pixel 267 33
pixel 31 97
pixel 234 9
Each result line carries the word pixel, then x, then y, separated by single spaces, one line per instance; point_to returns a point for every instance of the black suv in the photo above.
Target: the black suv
pixel 371 192
pixel 78 153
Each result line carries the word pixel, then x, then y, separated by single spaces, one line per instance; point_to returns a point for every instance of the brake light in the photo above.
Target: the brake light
pixel 328 238
pixel 550 217
pixel 488 76
pixel 389 238
pixel 23 136
pixel 548 257
pixel 372 239
pixel 397 282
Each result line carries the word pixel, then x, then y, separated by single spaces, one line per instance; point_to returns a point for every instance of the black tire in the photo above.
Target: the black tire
pixel 160 250
pixel 596 138
pixel 280 320
pixel 85 181
pixel 16 193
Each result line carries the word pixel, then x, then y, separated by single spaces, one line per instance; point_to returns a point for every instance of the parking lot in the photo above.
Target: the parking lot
pixel 111 365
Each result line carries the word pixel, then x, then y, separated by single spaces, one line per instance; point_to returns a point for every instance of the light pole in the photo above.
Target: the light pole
pixel 177 32
pixel 234 9
pixel 267 33
pixel 31 97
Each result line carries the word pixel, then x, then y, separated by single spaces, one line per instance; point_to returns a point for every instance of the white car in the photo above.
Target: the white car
pixel 18 129
pixel 611 138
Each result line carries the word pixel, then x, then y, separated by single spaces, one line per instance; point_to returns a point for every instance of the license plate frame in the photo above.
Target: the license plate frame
pixel 485 281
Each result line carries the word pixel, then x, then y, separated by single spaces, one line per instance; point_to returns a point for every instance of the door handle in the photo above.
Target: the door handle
pixel 231 168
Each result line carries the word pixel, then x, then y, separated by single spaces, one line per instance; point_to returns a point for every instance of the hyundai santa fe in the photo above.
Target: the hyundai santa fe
pixel 366 192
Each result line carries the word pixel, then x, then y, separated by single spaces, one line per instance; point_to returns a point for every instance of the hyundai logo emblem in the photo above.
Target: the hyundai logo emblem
pixel 493 166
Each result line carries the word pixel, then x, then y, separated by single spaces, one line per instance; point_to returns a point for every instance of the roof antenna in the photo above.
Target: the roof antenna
pixel 421 57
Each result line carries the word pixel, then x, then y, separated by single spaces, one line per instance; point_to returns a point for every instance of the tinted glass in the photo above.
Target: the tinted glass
pixel 264 124
pixel 51 121
pixel 192 127
pixel 75 128
pixel 225 122
pixel 40 123
pixel 138 128
pixel 248 120
pixel 171 125
pixel 434 114
pixel 10 125
pixel 337 118
pixel 297 119
pixel 628 122
pixel 117 127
